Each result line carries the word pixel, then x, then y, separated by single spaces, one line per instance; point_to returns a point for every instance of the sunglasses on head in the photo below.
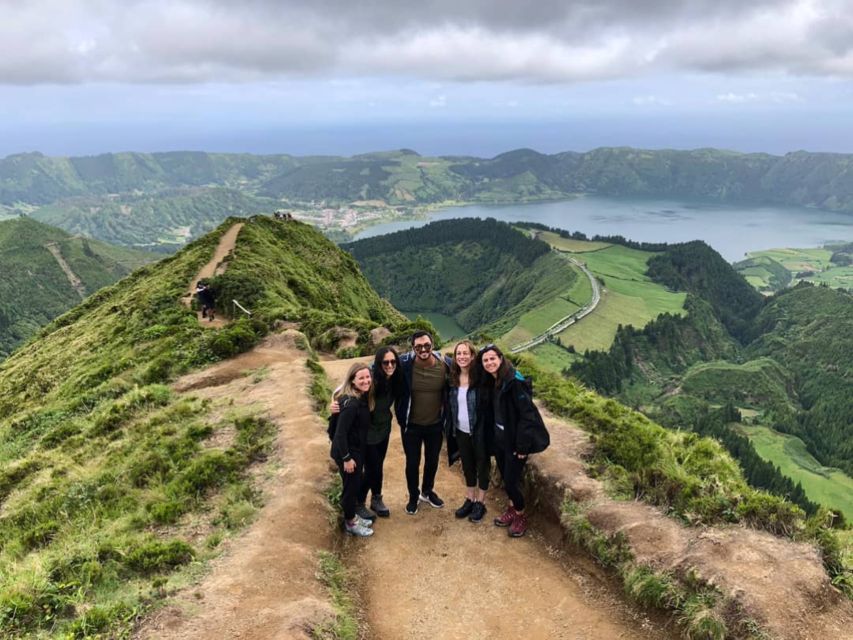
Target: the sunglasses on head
pixel 488 347
pixel 420 348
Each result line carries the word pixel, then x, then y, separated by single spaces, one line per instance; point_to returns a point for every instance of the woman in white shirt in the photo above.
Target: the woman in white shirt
pixel 468 428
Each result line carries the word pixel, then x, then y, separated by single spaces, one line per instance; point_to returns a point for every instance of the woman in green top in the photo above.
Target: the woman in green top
pixel 387 384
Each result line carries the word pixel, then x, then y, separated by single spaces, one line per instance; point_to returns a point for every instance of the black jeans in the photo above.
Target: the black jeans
pixel 374 460
pixel 351 485
pixel 476 463
pixel 414 437
pixel 512 472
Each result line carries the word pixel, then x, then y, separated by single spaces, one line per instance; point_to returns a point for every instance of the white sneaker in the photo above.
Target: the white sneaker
pixel 357 529
pixel 364 522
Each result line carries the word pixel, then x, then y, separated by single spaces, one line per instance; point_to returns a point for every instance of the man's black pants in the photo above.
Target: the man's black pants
pixel 429 438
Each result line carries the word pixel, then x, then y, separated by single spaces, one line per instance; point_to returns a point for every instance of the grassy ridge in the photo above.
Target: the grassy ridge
pixel 103 468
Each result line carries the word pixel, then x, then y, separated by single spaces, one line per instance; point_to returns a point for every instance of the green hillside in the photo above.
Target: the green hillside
pixel 489 277
pixel 785 360
pixel 102 464
pixel 35 289
pixel 163 221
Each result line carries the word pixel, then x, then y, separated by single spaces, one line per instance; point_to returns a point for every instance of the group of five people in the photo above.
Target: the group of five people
pixel 476 398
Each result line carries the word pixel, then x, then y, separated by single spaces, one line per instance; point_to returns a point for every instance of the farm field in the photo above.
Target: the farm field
pixel 824 485
pixel 629 296
pixel 798 261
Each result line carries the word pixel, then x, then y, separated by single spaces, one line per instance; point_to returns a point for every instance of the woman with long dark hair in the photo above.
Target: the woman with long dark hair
pixel 468 426
pixel 518 431
pixel 386 386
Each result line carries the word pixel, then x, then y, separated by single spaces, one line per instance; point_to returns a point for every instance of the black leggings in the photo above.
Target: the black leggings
pixel 476 463
pixel 415 437
pixel 374 460
pixel 351 485
pixel 512 472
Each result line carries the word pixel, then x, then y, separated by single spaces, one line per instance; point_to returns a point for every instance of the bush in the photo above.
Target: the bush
pixel 156 556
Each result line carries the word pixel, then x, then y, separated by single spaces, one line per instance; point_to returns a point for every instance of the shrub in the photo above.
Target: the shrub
pixel 156 556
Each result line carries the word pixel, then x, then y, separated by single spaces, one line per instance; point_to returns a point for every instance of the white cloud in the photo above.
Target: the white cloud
pixel 650 101
pixel 438 102
pixel 737 98
pixel 197 41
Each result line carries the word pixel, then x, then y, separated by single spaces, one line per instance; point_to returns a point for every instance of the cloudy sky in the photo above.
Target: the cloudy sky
pixel 439 76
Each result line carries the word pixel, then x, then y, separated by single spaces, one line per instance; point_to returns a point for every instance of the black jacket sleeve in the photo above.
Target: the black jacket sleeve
pixel 346 420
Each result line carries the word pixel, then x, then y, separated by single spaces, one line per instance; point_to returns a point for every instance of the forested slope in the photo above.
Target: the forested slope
pixel 484 273
pixel 34 289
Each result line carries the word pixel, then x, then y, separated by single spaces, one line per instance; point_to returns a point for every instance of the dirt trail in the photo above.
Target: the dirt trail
pixel 264 586
pixel 433 576
pixel 73 280
pixel 215 267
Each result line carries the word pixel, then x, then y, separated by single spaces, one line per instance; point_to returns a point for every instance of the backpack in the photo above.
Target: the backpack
pixel 536 432
pixel 333 419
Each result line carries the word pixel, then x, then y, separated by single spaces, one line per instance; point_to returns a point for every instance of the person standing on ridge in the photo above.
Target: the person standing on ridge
pixel 387 380
pixel 468 419
pixel 422 413
pixel 205 299
pixel 355 398
pixel 518 431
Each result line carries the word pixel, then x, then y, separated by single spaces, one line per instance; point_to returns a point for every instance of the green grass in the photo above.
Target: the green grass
pixel 824 485
pixel 552 357
pixel 797 261
pixel 446 326
pixel 630 297
pixel 570 244
pixel 340 583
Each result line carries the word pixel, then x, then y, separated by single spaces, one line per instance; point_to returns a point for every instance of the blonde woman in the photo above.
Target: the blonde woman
pixel 355 397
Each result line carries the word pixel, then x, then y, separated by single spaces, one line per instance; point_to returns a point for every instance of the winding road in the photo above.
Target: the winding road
pixel 569 320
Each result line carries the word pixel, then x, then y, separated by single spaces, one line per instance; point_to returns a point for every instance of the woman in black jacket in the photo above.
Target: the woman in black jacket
pixel 355 398
pixel 517 431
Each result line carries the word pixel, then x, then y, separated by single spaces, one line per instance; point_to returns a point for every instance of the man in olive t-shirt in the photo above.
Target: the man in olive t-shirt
pixel 421 411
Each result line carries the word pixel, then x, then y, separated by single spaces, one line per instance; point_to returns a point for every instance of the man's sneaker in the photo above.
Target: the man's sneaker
pixel 412 506
pixel 465 510
pixel 477 512
pixel 357 529
pixel 518 526
pixel 506 518
pixel 364 513
pixel 433 500
pixel 379 507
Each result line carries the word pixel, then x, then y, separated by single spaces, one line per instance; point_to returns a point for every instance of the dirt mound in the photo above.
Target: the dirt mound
pixel 779 583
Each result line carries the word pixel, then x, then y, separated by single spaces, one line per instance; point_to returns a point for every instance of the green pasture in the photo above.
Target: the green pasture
pixel 553 358
pixel 797 261
pixel 570 244
pixel 824 485
pixel 630 297
pixel 537 320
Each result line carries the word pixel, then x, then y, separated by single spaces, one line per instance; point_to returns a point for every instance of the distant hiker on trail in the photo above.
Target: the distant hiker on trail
pixel 469 427
pixel 205 300
pixel 355 398
pixel 518 431
pixel 387 382
pixel 423 415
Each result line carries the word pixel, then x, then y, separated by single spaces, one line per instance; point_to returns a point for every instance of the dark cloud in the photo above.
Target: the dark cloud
pixel 188 41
